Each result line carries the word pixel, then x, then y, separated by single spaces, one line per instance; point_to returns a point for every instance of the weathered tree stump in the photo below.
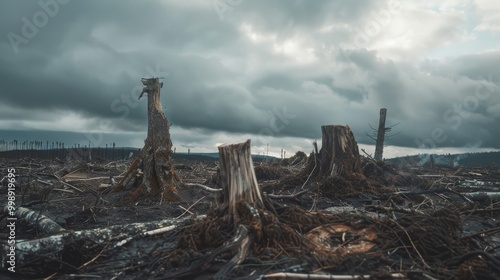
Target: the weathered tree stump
pixel 339 154
pixel 240 204
pixel 238 180
pixel 153 170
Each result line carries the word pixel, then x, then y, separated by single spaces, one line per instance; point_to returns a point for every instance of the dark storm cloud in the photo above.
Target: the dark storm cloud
pixel 260 69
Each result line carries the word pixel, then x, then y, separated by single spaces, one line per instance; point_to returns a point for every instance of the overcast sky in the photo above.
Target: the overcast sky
pixel 272 71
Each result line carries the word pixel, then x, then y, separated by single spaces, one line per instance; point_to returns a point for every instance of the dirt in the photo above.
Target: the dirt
pixel 420 232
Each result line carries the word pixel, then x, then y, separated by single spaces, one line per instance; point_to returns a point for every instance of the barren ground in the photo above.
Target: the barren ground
pixel 425 228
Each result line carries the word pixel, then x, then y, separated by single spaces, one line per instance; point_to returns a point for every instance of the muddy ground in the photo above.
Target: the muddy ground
pixel 415 222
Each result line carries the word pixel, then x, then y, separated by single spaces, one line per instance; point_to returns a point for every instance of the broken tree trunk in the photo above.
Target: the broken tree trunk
pixel 379 148
pixel 339 154
pixel 241 198
pixel 238 179
pixel 153 170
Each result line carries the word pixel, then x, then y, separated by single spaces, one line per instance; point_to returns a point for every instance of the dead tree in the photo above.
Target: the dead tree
pixel 380 135
pixel 152 171
pixel 379 147
pixel 339 154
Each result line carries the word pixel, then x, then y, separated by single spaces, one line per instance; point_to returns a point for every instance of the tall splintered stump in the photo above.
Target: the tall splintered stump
pixel 152 171
pixel 379 148
pixel 241 195
pixel 238 180
pixel 339 154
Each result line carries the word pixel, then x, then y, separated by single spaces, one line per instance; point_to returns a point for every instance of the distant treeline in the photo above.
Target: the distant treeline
pixel 454 160
pixel 53 150
pixel 83 154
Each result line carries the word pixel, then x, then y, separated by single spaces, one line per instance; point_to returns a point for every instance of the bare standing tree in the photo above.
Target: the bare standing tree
pixel 380 135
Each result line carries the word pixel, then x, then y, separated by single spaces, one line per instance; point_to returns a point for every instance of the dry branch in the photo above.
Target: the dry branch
pixel 288 275
pixel 30 250
pixel 41 222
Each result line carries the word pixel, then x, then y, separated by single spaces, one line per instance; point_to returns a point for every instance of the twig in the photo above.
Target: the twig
pixel 147 233
pixel 278 196
pixel 97 256
pixel 67 184
pixel 187 210
pixel 310 173
pixel 63 190
pixel 44 182
pixel 95 178
pixel 203 187
pixel 411 241
pixel 367 154
pixel 489 231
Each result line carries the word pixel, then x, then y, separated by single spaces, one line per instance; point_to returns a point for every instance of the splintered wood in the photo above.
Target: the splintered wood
pixel 238 177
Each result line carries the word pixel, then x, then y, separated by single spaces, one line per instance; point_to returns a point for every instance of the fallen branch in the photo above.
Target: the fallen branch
pixel 94 178
pixel 326 276
pixel 278 196
pixel 494 196
pixel 394 209
pixel 436 191
pixel 67 184
pixel 52 246
pixel 203 187
pixel 41 222
pixel 44 182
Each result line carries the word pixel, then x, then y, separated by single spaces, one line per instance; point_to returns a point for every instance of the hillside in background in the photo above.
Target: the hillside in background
pixel 455 160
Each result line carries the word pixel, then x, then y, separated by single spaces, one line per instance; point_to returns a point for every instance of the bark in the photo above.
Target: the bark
pixel 153 170
pixel 338 156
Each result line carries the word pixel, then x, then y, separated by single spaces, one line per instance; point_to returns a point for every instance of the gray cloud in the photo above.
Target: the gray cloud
pixel 238 75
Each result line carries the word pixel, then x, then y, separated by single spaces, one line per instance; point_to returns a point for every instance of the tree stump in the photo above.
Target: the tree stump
pixel 241 200
pixel 152 171
pixel 238 180
pixel 339 154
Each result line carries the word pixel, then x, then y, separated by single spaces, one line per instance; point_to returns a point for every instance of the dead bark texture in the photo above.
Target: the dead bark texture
pixel 379 147
pixel 238 179
pixel 339 154
pixel 152 171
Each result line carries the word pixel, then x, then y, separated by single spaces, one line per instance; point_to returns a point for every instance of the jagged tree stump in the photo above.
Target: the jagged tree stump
pixel 238 180
pixel 153 170
pixel 239 204
pixel 339 154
